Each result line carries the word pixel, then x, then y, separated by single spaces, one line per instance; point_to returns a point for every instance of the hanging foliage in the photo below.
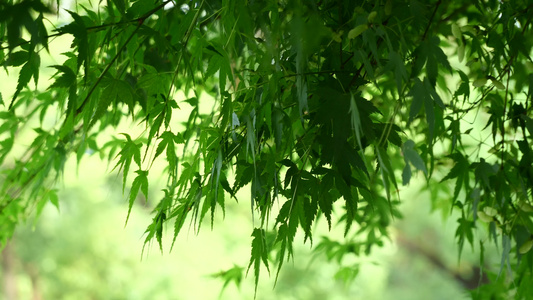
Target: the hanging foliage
pixel 317 108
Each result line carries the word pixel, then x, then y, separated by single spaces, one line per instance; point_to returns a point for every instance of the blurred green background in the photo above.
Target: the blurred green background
pixel 84 251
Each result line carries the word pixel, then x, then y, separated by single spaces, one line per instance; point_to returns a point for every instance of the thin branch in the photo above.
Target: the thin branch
pixel 140 22
pixel 431 20
pixel 503 119
pixel 97 28
pixel 185 42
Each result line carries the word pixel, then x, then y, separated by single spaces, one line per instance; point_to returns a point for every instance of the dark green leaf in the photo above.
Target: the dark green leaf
pixel 259 253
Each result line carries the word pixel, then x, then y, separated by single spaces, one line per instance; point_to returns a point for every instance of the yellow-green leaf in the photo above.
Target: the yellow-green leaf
pixel 480 82
pixel 456 31
pixel 336 36
pixel 529 66
pixel 372 16
pixel 461 52
pixel 357 31
pixel 498 84
pixel 490 211
pixel 526 247
pixel 484 217
pixel 525 206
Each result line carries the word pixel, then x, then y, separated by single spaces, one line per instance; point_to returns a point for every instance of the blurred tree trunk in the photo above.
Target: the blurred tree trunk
pixel 9 281
pixel 468 280
pixel 33 272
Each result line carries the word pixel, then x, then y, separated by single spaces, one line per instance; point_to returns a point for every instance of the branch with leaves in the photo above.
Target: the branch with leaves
pixel 336 101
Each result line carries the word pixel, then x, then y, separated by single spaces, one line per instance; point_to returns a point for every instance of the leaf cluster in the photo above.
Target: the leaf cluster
pixel 318 106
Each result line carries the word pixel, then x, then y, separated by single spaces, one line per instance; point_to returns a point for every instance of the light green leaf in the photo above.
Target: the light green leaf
pixel 490 211
pixel 461 52
pixel 140 182
pixel 479 82
pixel 52 196
pixel 456 31
pixel 498 84
pixel 372 16
pixel 358 30
pixel 130 150
pixel 526 247
pixel 356 121
pixel 506 249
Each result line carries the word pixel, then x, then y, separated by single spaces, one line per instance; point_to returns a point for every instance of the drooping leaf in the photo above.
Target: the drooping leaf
pixel 79 31
pixel 116 90
pixel 413 158
pixel 29 70
pixel 358 30
pixel 140 182
pixel 130 151
pixel 259 253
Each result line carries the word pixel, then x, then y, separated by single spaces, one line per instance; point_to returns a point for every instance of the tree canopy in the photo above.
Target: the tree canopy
pixel 320 109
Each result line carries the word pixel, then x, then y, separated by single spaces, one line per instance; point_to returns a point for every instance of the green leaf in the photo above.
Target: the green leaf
pixel 371 16
pixel 351 210
pixel 406 174
pixel 464 231
pixel 180 213
pixel 18 58
pixel 419 95
pixel 29 70
pixel 67 78
pixel 140 182
pixel 347 274
pixel 506 249
pixel 154 83
pixel 54 199
pixel 356 122
pixel 168 141
pixel 484 171
pixel 79 32
pixel 498 84
pixel 431 55
pixel 388 7
pixel 130 150
pixel 325 199
pixel 116 90
pixel 283 237
pixel 259 253
pixel 160 218
pixel 526 247
pixel 400 73
pixel 235 274
pixel 480 82
pixel 412 157
pixel 309 212
pixel 425 94
pixel 456 31
pixel 121 6
pixel 358 30
pixel 386 170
